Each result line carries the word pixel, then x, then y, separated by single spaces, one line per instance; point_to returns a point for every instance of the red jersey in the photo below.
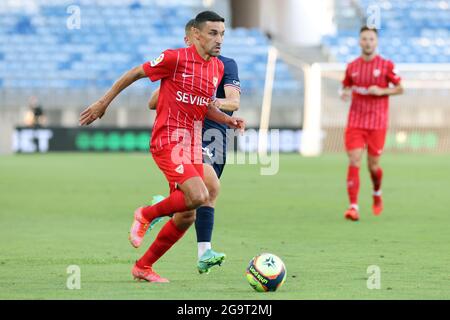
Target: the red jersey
pixel 369 111
pixel 188 82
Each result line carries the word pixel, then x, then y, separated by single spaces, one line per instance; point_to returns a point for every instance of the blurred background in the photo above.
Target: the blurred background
pixel 58 56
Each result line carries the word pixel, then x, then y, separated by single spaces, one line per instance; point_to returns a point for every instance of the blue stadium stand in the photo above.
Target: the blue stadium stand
pixel 411 32
pixel 37 50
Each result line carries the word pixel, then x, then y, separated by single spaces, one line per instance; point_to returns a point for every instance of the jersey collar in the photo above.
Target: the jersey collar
pixel 197 55
pixel 370 61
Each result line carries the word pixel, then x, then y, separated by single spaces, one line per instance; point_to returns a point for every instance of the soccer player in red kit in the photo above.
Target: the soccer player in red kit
pixel 189 79
pixel 369 81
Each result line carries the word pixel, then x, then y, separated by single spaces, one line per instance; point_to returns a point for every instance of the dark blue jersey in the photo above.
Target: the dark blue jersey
pixel 230 78
pixel 215 145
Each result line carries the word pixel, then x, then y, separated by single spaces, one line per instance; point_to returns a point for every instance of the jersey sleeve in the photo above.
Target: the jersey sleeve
pixel 347 82
pixel 161 67
pixel 231 76
pixel 392 75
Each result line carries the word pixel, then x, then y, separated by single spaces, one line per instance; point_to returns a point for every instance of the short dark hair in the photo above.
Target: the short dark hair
pixel 205 16
pixel 189 25
pixel 367 28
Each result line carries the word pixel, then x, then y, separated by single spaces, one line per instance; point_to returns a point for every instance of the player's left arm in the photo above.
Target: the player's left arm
pixel 393 78
pixel 232 101
pixel 232 87
pixel 390 91
pixel 153 102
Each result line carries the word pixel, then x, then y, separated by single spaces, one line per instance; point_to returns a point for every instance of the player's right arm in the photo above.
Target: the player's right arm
pixel 98 108
pixel 155 70
pixel 346 91
pixel 153 100
pixel 216 115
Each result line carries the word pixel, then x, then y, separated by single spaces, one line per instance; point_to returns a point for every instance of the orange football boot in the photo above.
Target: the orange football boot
pixel 377 207
pixel 147 274
pixel 351 214
pixel 138 228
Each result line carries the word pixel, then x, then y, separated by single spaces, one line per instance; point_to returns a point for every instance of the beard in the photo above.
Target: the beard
pixel 368 52
pixel 214 53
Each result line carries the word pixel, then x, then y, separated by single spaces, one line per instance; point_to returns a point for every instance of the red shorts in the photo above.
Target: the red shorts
pixel 356 138
pixel 178 169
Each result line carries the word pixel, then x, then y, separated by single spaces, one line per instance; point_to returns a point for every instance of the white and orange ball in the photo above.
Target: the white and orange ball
pixel 266 272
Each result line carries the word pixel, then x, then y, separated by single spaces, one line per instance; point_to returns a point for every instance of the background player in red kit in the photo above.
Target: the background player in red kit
pixel 367 81
pixel 189 78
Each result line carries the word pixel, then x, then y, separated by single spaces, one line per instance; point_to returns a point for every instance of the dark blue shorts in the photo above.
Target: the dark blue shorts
pixel 213 158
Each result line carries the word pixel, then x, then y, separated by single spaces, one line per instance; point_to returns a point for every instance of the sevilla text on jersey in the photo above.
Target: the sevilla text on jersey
pixel 192 99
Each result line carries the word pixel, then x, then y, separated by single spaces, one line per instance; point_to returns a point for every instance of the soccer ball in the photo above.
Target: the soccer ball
pixel 266 272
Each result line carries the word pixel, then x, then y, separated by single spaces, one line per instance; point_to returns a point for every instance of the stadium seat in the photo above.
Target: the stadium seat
pixel 421 37
pixel 114 36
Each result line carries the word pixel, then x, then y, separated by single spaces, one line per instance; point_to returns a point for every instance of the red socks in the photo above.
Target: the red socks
pixel 169 233
pixel 353 184
pixel 173 203
pixel 376 179
pixel 166 238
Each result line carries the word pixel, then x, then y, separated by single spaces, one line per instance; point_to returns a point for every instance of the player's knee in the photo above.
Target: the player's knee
pixel 202 197
pixel 199 198
pixel 373 167
pixel 189 218
pixel 355 162
pixel 213 190
pixel 354 159
pixel 184 220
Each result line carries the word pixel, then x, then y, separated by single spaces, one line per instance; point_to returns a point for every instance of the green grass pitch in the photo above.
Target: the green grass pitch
pixel 58 210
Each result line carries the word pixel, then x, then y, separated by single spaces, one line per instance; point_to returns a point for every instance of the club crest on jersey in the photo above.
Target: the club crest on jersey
pixel 215 80
pixel 180 169
pixel 157 60
pixel 376 73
